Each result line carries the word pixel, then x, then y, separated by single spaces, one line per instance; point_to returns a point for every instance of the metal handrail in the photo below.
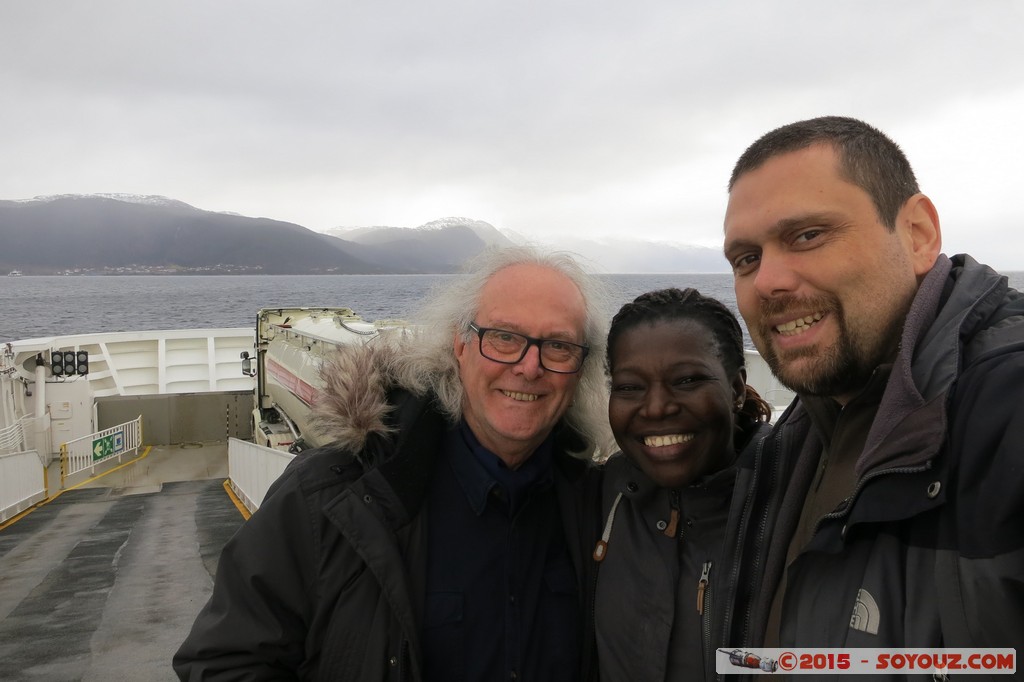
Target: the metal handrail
pixel 13 437
pixel 22 483
pixel 252 469
pixel 86 452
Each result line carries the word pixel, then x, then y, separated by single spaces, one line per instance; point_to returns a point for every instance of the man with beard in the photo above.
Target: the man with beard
pixel 885 508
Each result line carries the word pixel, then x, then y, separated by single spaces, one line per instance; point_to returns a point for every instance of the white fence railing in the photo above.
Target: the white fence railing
pixel 86 452
pixel 12 438
pixel 252 468
pixel 22 482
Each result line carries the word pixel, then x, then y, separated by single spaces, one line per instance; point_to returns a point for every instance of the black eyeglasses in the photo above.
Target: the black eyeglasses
pixel 509 348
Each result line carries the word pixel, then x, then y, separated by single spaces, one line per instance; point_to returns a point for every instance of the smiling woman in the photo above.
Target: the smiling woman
pixel 684 418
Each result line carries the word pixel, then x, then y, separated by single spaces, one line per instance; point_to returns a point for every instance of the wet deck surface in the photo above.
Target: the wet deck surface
pixel 103 582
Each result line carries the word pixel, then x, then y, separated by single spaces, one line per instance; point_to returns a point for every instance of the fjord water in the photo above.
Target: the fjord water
pixel 32 307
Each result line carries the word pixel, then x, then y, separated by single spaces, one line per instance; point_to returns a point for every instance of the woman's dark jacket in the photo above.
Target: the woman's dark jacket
pixel 658 585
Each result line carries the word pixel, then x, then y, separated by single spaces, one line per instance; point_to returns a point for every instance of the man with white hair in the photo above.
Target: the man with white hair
pixel 441 536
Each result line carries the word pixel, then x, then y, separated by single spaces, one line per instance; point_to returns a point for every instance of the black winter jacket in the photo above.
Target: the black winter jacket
pixel 928 551
pixel 658 596
pixel 326 580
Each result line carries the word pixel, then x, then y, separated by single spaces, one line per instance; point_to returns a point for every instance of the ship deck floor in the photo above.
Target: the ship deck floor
pixel 103 581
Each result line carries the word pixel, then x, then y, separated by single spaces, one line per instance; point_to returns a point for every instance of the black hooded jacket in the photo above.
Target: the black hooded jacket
pixel 326 580
pixel 928 551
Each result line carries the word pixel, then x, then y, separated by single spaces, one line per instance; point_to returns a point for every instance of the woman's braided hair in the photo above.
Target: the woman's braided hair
pixel 690 304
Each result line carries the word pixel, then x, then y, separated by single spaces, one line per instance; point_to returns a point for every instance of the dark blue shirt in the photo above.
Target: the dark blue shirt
pixel 501 590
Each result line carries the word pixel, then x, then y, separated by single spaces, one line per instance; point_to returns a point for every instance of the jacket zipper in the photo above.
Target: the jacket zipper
pixel 702 587
pixel 404 662
pixel 704 599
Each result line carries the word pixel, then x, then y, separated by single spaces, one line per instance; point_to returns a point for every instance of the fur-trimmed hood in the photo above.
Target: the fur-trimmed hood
pixel 353 403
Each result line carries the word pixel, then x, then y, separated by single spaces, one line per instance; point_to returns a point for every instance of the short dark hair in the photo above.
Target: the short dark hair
pixel 689 304
pixel 867 158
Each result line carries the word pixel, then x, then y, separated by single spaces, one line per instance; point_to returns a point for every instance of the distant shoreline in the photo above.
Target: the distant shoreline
pixel 251 273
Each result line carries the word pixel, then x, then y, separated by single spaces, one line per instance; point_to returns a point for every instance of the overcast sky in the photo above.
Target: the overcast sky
pixel 597 118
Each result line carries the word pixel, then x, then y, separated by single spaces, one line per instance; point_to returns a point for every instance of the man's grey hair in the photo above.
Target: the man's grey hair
pixel 428 365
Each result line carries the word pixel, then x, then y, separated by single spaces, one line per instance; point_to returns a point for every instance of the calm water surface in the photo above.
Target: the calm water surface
pixel 32 307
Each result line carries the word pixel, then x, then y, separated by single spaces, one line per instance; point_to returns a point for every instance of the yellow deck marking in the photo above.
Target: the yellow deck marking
pixel 234 498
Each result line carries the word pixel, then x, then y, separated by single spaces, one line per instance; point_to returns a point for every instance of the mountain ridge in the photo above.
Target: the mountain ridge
pixel 115 233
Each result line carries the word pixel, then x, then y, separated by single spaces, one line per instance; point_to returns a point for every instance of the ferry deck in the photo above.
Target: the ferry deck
pixel 104 580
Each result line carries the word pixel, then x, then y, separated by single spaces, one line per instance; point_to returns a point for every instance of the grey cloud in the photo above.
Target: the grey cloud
pixel 549 114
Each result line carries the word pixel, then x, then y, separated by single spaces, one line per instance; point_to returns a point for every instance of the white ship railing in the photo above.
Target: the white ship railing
pixel 22 482
pixel 252 469
pixel 86 452
pixel 12 438
pixel 771 389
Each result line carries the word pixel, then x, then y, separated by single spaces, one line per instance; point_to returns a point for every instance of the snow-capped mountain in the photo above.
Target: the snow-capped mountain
pixel 114 230
pixel 142 199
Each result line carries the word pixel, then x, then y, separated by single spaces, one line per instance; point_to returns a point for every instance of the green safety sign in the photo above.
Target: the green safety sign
pixel 107 445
